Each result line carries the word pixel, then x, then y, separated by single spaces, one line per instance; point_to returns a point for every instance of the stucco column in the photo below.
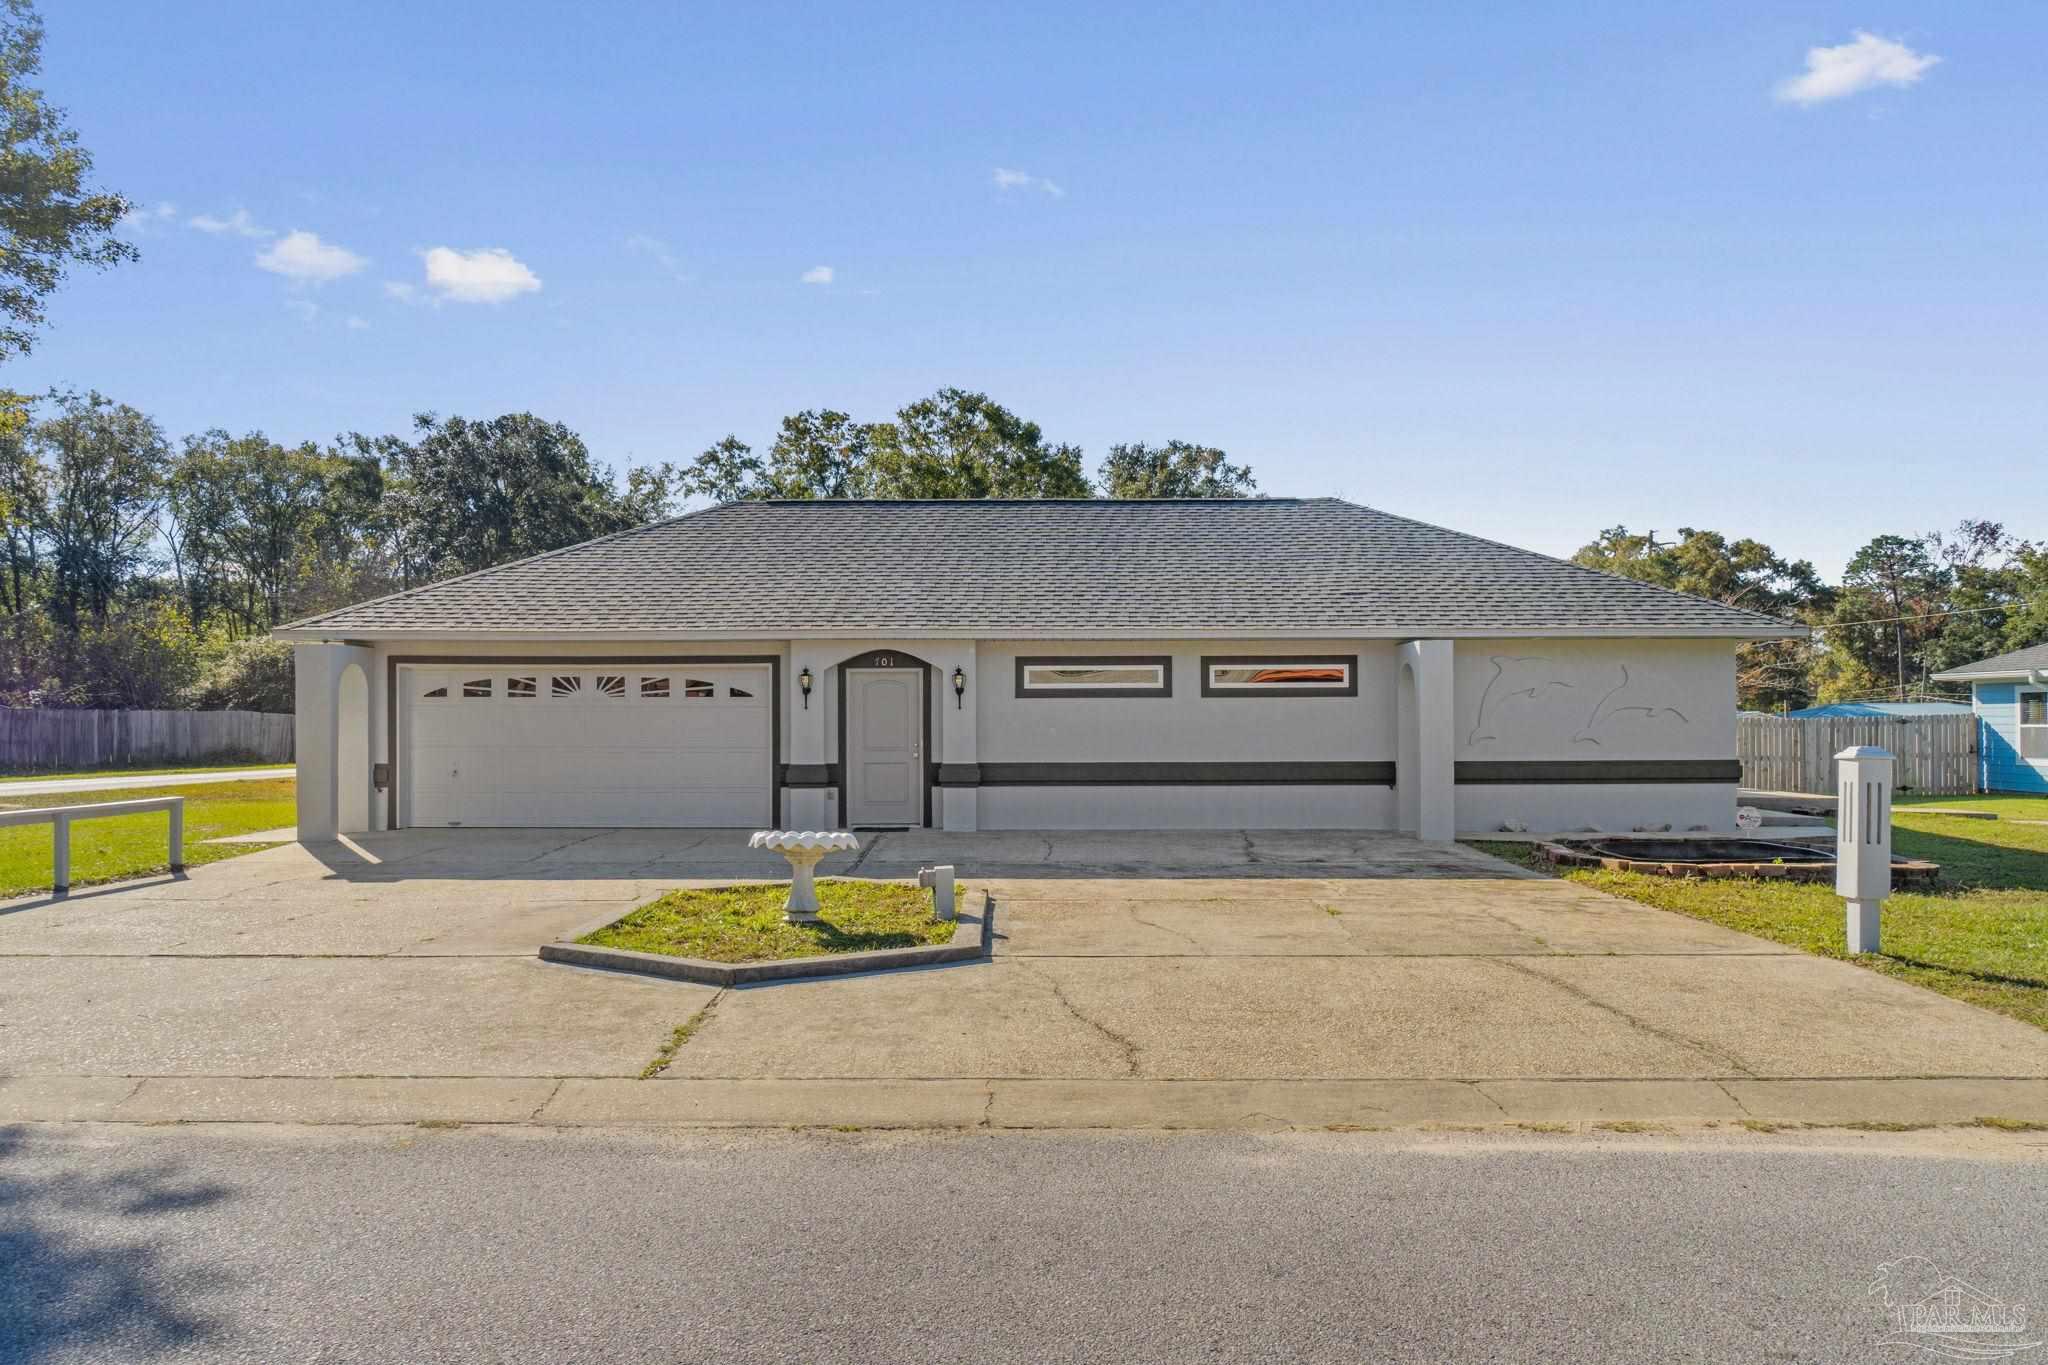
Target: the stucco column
pixel 321 730
pixel 809 763
pixel 1434 742
pixel 958 795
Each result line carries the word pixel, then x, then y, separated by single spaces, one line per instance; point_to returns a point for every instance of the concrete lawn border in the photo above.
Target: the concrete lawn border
pixel 970 941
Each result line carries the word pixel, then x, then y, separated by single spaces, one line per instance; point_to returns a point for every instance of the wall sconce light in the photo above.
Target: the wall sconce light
pixel 803 682
pixel 959 688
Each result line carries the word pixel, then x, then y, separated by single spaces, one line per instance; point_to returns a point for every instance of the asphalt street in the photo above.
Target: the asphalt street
pixel 407 1244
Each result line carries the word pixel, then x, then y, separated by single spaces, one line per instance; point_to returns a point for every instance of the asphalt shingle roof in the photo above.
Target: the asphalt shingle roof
pixel 2019 661
pixel 1286 566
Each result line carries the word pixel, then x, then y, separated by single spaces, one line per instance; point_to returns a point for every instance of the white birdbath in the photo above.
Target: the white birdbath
pixel 803 848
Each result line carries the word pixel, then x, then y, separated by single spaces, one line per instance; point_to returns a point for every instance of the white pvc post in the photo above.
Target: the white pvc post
pixel 940 880
pixel 1863 840
pixel 178 834
pixel 60 853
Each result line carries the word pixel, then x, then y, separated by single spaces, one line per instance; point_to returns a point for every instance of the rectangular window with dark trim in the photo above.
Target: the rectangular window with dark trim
pixel 1096 676
pixel 1279 676
pixel 2033 726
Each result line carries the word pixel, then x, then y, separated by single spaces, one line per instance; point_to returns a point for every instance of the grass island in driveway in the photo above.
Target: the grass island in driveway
pixel 1980 934
pixel 745 924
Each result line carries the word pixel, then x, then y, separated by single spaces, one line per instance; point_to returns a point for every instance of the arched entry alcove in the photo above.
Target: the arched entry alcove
pixel 1408 755
pixel 352 751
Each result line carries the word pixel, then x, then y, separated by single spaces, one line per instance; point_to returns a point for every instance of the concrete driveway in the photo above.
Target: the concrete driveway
pixel 1138 980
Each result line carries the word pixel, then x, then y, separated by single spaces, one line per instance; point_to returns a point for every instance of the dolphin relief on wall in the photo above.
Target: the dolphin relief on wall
pixel 1531 678
pixel 1602 712
pixel 1512 677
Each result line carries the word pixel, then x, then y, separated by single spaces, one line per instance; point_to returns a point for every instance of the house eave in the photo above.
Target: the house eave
pixel 313 634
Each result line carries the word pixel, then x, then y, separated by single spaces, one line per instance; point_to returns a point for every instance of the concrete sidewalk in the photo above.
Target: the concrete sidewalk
pixel 1186 980
pixel 57 786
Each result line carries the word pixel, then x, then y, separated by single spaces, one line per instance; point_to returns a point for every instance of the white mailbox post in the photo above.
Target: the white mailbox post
pixel 1863 839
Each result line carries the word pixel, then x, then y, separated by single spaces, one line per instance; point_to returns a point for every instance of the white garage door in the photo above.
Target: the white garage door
pixel 549 745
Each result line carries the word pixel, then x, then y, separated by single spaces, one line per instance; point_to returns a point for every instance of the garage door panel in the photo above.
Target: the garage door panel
pixel 595 747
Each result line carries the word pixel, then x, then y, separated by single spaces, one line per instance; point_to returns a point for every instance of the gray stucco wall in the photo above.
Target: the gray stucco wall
pixel 1515 701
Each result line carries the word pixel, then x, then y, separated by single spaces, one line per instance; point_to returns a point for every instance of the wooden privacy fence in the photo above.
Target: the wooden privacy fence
pixel 53 740
pixel 1936 754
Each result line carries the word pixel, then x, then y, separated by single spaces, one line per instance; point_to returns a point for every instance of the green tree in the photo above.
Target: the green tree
pixel 1890 579
pixel 49 221
pixel 106 464
pixel 1178 469
pixel 24 508
pixel 1743 573
pixel 249 675
pixel 957 444
pixel 2026 624
pixel 727 471
pixel 466 495
pixel 820 454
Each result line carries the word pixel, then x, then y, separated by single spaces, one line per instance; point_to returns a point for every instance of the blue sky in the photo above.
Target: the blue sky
pixel 1526 270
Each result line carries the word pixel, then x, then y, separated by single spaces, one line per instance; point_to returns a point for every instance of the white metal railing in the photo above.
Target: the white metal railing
pixel 59 819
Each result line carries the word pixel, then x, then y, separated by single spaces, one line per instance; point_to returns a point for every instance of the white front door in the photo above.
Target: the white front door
pixel 885 746
pixel 538 745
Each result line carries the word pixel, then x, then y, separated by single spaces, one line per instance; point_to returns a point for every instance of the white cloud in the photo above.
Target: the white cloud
pixel 238 223
pixel 818 274
pixel 305 309
pixel 139 220
pixel 1006 179
pixel 1864 63
pixel 356 324
pixel 485 275
pixel 301 255
pixel 657 251
pixel 403 292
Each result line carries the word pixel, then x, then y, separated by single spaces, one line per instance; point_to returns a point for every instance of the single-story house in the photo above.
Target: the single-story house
pixel 2009 693
pixel 1880 710
pixel 1273 663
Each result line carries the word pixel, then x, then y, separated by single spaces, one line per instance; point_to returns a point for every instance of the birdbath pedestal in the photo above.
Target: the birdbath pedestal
pixel 803 848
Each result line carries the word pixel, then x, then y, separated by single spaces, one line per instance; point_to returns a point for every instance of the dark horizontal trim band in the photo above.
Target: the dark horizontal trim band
pixel 810 774
pixel 1184 774
pixel 1542 772
pixel 958 775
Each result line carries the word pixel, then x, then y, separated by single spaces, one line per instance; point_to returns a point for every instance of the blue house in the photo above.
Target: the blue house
pixel 2009 693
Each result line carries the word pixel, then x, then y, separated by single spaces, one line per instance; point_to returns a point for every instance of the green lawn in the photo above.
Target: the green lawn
pixel 125 846
pixel 744 923
pixel 2005 807
pixel 235 767
pixel 1980 935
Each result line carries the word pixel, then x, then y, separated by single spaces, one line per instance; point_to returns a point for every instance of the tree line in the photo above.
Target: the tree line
pixel 143 572
pixel 1907 607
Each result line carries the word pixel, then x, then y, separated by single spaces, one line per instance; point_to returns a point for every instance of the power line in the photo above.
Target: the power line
pixel 2020 605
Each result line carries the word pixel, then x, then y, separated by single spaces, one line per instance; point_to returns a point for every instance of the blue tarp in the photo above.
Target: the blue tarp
pixel 1897 709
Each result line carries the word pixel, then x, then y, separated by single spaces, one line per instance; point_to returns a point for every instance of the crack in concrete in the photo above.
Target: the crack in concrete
pixel 1131 909
pixel 1128 1048
pixel 1722 1086
pixel 540 1108
pixel 1668 1035
pixel 1481 1090
pixel 867 851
